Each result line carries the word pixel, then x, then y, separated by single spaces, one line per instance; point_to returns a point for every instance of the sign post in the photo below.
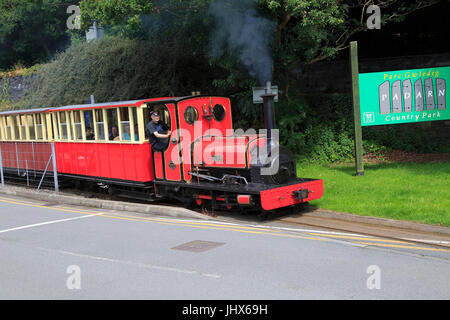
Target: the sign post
pixel 359 160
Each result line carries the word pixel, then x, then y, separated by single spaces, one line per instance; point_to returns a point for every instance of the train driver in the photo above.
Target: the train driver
pixel 155 130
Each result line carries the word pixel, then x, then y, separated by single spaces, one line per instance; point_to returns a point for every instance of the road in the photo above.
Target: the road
pixel 50 251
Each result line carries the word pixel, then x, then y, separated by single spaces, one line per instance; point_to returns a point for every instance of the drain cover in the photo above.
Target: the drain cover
pixel 198 246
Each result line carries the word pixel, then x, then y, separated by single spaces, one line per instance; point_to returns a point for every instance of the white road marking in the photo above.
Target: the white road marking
pixel 281 228
pixel 136 264
pixel 46 223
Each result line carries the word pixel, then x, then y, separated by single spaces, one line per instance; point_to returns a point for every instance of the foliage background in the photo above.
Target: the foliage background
pixel 163 48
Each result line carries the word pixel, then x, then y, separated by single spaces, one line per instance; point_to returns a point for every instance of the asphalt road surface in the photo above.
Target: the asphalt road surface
pixel 61 252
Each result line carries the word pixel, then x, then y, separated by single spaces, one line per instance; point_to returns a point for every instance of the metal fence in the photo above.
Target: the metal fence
pixel 30 161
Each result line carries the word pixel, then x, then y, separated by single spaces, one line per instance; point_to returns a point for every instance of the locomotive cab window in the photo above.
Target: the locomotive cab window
pixel 190 115
pixel 218 112
pixel 163 112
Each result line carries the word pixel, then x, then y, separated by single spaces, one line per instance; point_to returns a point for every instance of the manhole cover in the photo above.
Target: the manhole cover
pixel 198 246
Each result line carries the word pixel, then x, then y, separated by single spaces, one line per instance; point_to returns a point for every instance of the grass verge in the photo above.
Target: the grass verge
pixel 418 192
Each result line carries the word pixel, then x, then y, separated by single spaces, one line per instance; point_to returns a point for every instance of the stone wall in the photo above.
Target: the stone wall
pixel 15 87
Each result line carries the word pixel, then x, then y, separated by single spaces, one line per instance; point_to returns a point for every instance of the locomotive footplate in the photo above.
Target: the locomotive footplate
pixel 271 196
pixel 300 191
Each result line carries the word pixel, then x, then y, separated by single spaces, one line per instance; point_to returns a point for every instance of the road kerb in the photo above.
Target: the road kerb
pixel 153 209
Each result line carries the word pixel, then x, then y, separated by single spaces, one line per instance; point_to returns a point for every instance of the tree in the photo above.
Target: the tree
pixel 309 31
pixel 31 31
pixel 113 12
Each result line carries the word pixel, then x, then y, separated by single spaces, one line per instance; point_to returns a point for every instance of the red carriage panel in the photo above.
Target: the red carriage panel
pixel 23 155
pixel 159 165
pixel 130 162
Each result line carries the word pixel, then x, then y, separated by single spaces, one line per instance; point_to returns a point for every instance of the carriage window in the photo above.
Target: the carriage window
pixel 218 112
pixel 100 124
pixel 113 125
pixel 63 125
pixel 70 125
pixel 30 125
pixel 125 124
pixel 135 124
pixel 190 115
pixel 39 134
pixel 23 127
pixel 55 126
pixel 8 128
pixel 146 121
pixel 15 120
pixel 78 135
pixel 44 127
pixel 89 123
pixel 4 135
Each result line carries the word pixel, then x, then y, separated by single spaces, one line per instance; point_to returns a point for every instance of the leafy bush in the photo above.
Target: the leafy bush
pixel 411 138
pixel 115 69
pixel 317 128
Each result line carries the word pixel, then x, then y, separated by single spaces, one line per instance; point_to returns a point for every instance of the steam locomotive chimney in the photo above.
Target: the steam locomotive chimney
pixel 269 113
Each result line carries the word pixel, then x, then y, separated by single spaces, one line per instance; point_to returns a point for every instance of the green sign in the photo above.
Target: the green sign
pixel 394 97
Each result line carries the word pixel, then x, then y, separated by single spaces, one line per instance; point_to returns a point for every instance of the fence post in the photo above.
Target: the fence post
pixel 17 160
pixel 1 168
pixel 26 168
pixel 55 171
pixel 34 160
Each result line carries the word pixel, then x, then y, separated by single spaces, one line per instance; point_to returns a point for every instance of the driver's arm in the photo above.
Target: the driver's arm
pixel 161 135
